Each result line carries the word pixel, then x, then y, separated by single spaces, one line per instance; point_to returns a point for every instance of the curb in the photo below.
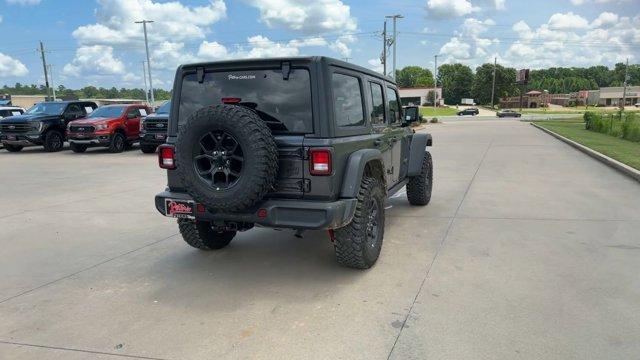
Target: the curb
pixel 617 165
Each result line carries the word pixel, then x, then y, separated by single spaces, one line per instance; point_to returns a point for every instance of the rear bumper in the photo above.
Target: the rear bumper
pixel 280 213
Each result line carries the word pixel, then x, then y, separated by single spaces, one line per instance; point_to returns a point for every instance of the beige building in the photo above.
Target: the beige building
pixel 23 101
pixel 612 96
pixel 420 95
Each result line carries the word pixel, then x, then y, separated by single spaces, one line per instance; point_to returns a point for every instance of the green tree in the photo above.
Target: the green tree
pixel 414 76
pixel 456 81
pixel 482 83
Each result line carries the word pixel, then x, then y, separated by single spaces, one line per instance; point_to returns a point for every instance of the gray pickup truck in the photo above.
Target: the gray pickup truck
pixel 298 143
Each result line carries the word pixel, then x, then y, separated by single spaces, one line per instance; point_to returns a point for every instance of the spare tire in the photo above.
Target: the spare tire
pixel 227 158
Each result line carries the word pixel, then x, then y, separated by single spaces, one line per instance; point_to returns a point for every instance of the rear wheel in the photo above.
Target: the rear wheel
pixel 53 141
pixel 13 148
pixel 358 244
pixel 201 235
pixel 148 149
pixel 419 187
pixel 78 148
pixel 117 143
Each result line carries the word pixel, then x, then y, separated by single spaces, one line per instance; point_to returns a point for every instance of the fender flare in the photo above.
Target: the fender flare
pixel 419 144
pixel 355 169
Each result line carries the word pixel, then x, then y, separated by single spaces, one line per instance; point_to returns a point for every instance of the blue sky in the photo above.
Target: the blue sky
pixel 96 42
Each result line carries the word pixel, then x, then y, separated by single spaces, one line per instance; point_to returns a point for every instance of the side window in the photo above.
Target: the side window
pixel 347 100
pixel 74 109
pixel 377 101
pixel 133 113
pixel 394 107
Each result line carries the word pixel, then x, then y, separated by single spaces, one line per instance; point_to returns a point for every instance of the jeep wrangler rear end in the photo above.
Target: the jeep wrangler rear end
pixel 302 143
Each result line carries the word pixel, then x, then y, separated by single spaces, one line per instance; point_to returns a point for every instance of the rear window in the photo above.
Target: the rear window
pixel 285 105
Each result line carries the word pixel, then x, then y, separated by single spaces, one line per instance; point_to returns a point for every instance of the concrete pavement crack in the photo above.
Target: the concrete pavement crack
pixel 79 350
pixel 440 246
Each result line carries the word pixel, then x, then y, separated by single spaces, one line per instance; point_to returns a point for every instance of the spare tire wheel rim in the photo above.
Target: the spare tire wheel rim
pixel 219 160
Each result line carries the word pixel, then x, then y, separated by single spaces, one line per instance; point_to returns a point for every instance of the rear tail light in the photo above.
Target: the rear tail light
pixel 167 157
pixel 320 162
pixel 231 100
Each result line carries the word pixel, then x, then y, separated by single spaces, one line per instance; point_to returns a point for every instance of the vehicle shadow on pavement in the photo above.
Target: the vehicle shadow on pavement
pixel 257 264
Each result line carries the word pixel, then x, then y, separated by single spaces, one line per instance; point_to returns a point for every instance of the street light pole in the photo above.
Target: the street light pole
pixel 53 87
pixel 146 89
pixel 626 79
pixel 146 45
pixel 395 39
pixel 384 49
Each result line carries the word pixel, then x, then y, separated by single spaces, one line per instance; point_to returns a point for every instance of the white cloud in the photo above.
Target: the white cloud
pixel 376 65
pixel 24 2
pixel 469 40
pixel 10 67
pixel 605 19
pixel 173 22
pixel 445 9
pixel 456 49
pixel 307 16
pixel 94 60
pixel 499 4
pixel 559 21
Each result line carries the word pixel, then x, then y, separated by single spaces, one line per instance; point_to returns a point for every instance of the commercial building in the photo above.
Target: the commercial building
pixel 420 96
pixel 612 96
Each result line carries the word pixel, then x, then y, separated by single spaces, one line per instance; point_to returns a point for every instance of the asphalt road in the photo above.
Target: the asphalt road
pixel 528 250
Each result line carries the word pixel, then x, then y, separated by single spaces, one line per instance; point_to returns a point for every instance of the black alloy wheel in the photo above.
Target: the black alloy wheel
pixel 219 160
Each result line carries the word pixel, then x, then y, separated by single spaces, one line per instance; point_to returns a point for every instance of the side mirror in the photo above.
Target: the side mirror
pixel 131 116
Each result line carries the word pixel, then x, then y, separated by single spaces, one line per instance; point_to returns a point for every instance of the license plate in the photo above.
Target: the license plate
pixel 184 209
pixel 11 137
pixel 159 136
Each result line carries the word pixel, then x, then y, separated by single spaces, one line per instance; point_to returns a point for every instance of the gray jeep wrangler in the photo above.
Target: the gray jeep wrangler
pixel 297 143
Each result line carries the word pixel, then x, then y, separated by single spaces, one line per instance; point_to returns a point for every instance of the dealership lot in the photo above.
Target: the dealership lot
pixel 529 249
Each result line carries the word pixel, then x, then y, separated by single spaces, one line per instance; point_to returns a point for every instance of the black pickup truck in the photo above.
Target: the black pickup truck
pixel 298 143
pixel 43 124
pixel 153 129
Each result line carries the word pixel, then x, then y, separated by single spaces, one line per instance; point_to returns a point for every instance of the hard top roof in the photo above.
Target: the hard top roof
pixel 319 59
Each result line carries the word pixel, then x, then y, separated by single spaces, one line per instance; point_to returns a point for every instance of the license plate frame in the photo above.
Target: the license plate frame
pixel 180 209
pixel 160 136
pixel 12 137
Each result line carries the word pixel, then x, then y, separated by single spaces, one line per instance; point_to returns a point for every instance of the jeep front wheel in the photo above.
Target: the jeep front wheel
pixel 201 235
pixel 419 187
pixel 358 244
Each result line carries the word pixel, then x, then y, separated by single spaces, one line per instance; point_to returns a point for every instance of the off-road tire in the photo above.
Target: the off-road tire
pixel 260 153
pixel 53 141
pixel 419 187
pixel 13 148
pixel 352 246
pixel 148 149
pixel 201 235
pixel 117 143
pixel 78 148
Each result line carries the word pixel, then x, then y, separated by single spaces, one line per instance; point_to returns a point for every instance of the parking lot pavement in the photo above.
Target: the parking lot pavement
pixel 529 249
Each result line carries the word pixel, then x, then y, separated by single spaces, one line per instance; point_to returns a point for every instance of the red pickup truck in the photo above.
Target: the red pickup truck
pixel 116 127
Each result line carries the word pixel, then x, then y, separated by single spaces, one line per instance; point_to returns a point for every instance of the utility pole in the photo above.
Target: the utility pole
pixel 384 49
pixel 395 39
pixel 626 79
pixel 146 45
pixel 146 89
pixel 44 66
pixel 53 87
pixel 435 82
pixel 493 86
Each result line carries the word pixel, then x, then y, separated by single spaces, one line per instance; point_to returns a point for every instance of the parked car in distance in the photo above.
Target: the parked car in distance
pixel 6 111
pixel 637 105
pixel 114 126
pixel 469 111
pixel 247 147
pixel 508 113
pixel 44 124
pixel 153 129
